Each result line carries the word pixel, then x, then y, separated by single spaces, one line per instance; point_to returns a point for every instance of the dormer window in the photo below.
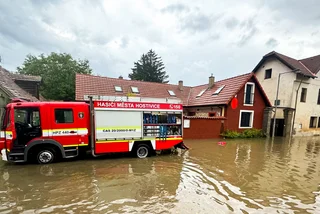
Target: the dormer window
pixel 171 93
pixel 118 88
pixel 218 90
pixel 201 93
pixel 134 89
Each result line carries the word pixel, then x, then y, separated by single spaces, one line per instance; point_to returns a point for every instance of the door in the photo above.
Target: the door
pixel 279 127
pixel 69 126
pixel 27 124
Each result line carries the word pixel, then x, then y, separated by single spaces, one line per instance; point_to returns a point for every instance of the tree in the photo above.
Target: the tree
pixel 57 72
pixel 149 68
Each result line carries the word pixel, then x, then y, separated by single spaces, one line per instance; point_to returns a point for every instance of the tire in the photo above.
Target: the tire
pixel 46 156
pixel 142 151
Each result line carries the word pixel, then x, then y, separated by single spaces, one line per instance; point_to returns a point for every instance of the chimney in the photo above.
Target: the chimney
pixel 121 77
pixel 211 81
pixel 180 85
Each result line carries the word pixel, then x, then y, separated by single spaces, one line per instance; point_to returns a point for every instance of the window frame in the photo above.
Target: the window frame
pixel 133 91
pixel 265 74
pixel 252 94
pixel 315 122
pixel 171 93
pixel 305 97
pixel 119 87
pixel 69 109
pixel 201 93
pixel 251 119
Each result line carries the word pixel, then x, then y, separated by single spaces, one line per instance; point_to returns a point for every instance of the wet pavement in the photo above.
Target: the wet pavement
pixel 244 176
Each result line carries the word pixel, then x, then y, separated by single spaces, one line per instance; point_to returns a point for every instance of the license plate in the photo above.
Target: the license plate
pixel 4 155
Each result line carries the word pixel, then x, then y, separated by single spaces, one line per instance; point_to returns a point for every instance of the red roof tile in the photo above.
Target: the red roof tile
pixel 104 86
pixel 231 87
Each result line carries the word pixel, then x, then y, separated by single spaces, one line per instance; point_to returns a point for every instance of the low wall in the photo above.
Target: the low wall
pixel 203 127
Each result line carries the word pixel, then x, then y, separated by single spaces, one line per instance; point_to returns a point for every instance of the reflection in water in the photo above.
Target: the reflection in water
pixel 245 176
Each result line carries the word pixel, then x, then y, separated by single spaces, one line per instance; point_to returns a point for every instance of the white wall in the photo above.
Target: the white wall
pixel 270 85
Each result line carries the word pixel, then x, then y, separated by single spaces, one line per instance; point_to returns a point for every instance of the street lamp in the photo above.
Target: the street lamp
pixel 276 102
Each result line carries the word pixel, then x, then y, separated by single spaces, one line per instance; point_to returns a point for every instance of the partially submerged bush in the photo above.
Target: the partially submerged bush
pixel 248 133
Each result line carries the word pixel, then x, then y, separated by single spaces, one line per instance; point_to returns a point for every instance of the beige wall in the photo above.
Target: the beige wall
pixel 287 93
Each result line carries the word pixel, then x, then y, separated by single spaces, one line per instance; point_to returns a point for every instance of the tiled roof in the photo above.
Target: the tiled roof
pixel 25 77
pixel 104 86
pixel 231 87
pixel 9 87
pixel 308 69
pixel 313 63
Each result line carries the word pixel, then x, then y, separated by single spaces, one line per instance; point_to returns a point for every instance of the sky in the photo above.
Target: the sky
pixel 194 38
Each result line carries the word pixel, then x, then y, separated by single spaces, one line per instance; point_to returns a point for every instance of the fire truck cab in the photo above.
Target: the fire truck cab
pixel 47 131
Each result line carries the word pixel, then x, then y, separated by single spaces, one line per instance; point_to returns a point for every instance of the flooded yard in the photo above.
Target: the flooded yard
pixel 244 176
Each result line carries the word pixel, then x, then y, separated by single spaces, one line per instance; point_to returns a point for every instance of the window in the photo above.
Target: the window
pixel 318 97
pixel 277 102
pixel 171 93
pixel 201 93
pixel 268 74
pixel 218 90
pixel 63 115
pixel 319 122
pixel 313 122
pixel 303 95
pixel 249 93
pixel 27 116
pixel 118 88
pixel 246 119
pixel 134 89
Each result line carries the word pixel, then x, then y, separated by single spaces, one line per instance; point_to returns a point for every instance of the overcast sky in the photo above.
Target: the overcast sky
pixel 194 38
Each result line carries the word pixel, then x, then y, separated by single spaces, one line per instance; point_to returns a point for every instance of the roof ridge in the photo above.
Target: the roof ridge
pixel 139 81
pixel 306 68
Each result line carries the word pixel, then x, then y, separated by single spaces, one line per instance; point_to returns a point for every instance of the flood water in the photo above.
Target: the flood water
pixel 244 176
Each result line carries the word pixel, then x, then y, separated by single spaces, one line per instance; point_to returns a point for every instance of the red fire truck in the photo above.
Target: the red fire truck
pixel 48 131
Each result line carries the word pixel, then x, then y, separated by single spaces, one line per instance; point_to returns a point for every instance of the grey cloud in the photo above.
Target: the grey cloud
pixel 272 43
pixel 248 29
pixel 197 23
pixel 175 8
pixel 232 23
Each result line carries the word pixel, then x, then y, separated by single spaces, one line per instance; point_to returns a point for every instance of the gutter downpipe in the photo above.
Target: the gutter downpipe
pixel 92 134
pixel 276 106
pixel 295 108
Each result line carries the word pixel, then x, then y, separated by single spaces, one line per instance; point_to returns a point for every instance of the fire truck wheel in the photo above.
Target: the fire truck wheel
pixel 142 151
pixel 45 156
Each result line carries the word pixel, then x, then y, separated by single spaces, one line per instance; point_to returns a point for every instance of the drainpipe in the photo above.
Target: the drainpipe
pixel 295 108
pixel 276 106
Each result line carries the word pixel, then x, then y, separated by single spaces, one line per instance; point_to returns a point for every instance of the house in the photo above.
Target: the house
pixel 207 108
pixel 17 86
pixel 298 103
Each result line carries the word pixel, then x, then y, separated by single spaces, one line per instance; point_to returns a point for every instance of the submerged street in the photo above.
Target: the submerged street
pixel 243 176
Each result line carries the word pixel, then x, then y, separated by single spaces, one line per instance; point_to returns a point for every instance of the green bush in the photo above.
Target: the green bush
pixel 248 133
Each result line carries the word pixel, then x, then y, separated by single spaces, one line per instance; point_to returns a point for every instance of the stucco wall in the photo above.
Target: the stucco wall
pixel 270 85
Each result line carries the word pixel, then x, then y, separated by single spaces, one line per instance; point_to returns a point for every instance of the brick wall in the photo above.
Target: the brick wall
pixel 203 128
